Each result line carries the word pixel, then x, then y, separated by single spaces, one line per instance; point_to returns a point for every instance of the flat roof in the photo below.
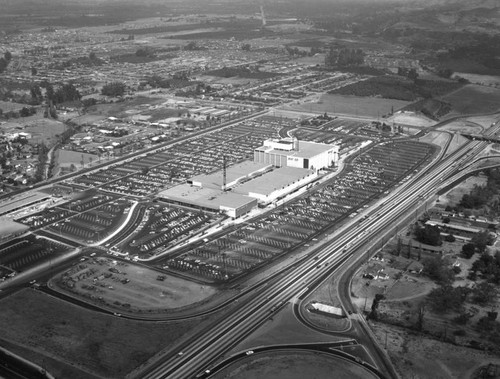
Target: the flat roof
pixel 453 226
pixel 274 180
pixel 21 200
pixel 205 197
pixel 306 149
pixel 233 173
pixel 8 227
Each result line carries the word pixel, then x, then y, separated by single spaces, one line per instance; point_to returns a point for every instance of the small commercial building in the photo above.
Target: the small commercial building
pixel 326 309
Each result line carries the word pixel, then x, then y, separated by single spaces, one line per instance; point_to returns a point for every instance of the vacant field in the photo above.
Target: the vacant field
pixel 127 287
pixel 473 99
pixel 454 196
pixel 45 130
pixel 59 334
pixel 398 87
pixel 352 105
pixel 293 365
pixel 418 356
pixel 488 80
pixel 66 158
pixel 7 106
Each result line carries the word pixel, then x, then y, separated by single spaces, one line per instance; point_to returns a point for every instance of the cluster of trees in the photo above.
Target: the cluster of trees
pixel 428 234
pixel 488 266
pixel 191 46
pixel 90 60
pixel 482 195
pixel 296 52
pixel 447 298
pixel 438 270
pixel 24 112
pixel 156 81
pixel 344 57
pixel 114 89
pixel 409 73
pixel 42 160
pixel 5 60
pixel 118 133
pixel 65 93
pixel 143 52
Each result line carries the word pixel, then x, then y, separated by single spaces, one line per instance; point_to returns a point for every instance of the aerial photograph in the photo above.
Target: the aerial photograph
pixel 249 189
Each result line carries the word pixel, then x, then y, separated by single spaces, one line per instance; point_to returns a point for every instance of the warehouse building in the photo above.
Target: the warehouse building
pixel 236 174
pixel 290 152
pixel 209 199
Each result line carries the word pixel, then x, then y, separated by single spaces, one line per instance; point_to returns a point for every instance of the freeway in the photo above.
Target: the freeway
pixel 206 347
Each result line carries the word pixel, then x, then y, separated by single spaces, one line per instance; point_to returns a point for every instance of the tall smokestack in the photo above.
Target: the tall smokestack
pixel 262 15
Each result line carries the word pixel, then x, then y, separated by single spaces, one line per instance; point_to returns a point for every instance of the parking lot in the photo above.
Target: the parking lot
pixel 162 227
pixel 146 175
pixel 85 220
pixel 260 241
pixel 22 253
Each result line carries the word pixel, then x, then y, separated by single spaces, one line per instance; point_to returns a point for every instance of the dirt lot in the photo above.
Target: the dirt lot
pixel 473 99
pixel 293 365
pixel 126 287
pixel 411 118
pixel 71 341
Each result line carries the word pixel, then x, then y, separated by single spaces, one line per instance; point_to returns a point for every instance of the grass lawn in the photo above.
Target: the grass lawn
pixel 294 365
pixel 353 105
pixel 69 335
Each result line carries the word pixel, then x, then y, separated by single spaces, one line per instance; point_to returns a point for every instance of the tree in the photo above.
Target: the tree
pixel 89 102
pixel 429 234
pixel 8 56
pixel 483 293
pixel 34 71
pixel 421 314
pixel 3 64
pixel 468 250
pixel 246 47
pixel 67 92
pixel 482 239
pixel 436 269
pixel 36 93
pixel 191 46
pixel 450 238
pixel 142 52
pixel 25 112
pixel 49 92
pixel 447 298
pixel 113 89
